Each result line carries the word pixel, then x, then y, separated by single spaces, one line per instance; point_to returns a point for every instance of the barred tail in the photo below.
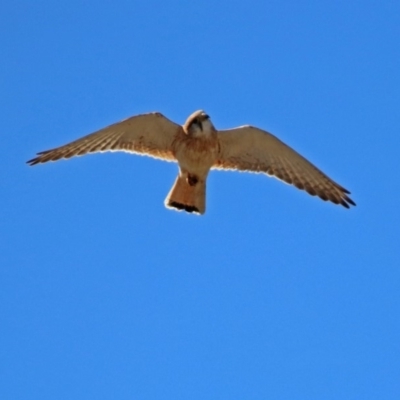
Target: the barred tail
pixel 188 193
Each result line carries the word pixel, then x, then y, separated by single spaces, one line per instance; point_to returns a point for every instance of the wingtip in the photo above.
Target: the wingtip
pixel 347 202
pixel 38 159
pixel 33 161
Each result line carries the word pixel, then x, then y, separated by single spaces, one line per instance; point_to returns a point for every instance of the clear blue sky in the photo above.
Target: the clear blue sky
pixel 272 294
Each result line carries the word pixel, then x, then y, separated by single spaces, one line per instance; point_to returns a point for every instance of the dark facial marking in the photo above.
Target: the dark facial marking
pixel 197 122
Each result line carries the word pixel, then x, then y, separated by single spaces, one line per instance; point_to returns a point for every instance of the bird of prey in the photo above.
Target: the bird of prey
pixel 198 147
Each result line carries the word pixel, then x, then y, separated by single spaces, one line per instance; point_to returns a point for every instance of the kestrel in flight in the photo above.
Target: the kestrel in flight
pixel 198 147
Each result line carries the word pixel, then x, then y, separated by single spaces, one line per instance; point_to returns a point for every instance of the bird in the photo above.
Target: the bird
pixel 198 147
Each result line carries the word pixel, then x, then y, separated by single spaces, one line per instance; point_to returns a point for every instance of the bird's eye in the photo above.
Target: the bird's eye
pixel 195 121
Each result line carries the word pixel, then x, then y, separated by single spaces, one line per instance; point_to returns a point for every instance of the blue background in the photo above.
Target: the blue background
pixel 272 294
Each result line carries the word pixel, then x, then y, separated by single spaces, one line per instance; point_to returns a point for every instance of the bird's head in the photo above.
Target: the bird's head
pixel 198 124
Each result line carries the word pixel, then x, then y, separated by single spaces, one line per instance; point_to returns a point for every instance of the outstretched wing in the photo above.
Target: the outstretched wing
pixel 251 149
pixel 149 134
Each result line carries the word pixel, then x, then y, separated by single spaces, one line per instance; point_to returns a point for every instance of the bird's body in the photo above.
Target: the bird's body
pixel 196 150
pixel 198 147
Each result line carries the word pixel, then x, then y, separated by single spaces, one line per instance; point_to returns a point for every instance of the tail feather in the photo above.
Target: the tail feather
pixel 188 193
